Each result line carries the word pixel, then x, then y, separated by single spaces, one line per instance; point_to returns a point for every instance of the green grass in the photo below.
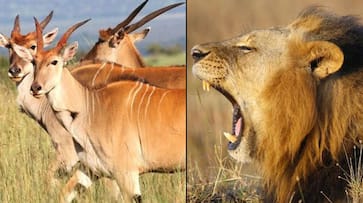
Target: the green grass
pixel 163 60
pixel 26 151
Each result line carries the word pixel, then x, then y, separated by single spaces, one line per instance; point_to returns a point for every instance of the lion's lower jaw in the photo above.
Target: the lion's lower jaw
pixel 241 153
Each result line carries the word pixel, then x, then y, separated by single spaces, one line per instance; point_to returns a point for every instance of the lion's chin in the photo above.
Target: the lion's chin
pixel 242 152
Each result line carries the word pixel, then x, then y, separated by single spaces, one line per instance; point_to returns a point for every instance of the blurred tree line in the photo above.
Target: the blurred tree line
pixel 156 49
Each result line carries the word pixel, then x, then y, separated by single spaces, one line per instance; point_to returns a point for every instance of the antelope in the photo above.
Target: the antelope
pixel 117 44
pixel 21 72
pixel 121 122
pixel 19 69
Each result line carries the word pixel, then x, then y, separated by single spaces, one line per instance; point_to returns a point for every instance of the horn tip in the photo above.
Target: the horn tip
pixel 51 13
pixel 35 19
pixel 85 21
pixel 178 4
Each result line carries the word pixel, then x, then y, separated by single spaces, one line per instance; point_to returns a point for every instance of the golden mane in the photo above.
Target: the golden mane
pixel 318 116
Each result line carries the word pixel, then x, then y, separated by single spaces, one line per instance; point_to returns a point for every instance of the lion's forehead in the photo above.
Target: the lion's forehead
pixel 263 38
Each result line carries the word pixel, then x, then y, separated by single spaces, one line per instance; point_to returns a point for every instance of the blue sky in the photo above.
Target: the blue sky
pixel 168 28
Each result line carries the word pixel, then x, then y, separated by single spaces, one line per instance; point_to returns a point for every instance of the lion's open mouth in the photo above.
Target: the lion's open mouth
pixel 234 138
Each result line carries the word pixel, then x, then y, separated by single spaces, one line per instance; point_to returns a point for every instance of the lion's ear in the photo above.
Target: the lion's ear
pixel 325 58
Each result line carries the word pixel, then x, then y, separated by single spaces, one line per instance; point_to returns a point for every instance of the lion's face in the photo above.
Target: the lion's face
pixel 243 69
pixel 239 68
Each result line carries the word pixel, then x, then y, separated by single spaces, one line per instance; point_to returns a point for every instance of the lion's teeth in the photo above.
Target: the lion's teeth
pixel 206 86
pixel 231 138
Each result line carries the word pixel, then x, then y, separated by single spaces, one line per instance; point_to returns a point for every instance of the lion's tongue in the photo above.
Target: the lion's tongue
pixel 237 128
pixel 232 138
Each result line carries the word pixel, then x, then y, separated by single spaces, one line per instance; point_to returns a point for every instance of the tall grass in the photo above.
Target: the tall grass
pixel 26 152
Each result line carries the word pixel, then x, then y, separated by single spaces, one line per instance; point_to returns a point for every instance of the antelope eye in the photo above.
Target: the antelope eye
pixel 33 47
pixel 54 62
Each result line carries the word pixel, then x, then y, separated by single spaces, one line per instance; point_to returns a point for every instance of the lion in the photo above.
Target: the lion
pixel 297 97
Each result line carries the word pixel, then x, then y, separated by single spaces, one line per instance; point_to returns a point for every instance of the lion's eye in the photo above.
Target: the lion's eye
pixel 245 48
pixel 54 62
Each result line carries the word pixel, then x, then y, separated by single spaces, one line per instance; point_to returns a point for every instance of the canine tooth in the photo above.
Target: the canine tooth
pixel 231 138
pixel 206 85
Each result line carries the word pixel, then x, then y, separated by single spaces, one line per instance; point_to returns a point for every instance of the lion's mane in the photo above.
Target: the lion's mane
pixel 321 121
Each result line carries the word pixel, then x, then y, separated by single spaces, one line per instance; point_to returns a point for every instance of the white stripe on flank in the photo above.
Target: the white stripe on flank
pixel 96 74
pixel 161 99
pixel 142 99
pixel 109 73
pixel 93 105
pixel 88 107
pixel 131 91
pixel 136 92
pixel 148 101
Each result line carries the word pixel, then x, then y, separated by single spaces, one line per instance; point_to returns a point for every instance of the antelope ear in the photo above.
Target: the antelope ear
pixel 140 35
pixel 4 42
pixel 50 36
pixel 23 52
pixel 70 51
pixel 325 58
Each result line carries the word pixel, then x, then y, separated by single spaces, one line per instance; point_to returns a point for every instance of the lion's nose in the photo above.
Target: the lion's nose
pixel 198 53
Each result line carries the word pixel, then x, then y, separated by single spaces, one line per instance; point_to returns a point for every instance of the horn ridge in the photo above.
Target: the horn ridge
pixel 16 28
pixel 63 41
pixel 46 20
pixel 39 32
pixel 129 18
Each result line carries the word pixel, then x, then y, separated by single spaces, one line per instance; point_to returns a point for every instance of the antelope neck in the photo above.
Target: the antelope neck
pixel 68 94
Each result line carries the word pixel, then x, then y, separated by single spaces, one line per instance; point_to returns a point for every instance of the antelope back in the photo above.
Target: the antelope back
pixel 118 44
pixel 98 75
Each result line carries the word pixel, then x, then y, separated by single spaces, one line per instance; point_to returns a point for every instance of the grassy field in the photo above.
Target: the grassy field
pixel 26 151
pixel 212 174
pixel 160 60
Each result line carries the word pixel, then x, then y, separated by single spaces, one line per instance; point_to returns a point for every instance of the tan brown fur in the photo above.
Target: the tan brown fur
pixel 100 74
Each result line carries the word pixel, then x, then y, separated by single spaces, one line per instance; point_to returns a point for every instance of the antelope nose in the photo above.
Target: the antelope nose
pixel 35 88
pixel 14 70
pixel 198 53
